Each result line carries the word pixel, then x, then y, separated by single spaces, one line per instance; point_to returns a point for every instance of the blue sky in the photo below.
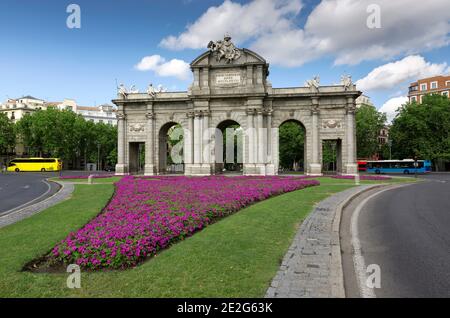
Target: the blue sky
pixel 40 56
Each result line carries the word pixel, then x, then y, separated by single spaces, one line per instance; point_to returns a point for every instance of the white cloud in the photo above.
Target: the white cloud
pixel 391 74
pixel 243 22
pixel 176 68
pixel 391 106
pixel 336 28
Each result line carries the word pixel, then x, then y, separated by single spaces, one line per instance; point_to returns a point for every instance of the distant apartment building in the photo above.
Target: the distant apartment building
pixel 15 109
pixel 431 85
pixel 363 100
pixel 98 114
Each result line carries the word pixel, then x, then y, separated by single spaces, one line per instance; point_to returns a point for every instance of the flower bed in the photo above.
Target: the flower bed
pixel 374 178
pixel 147 215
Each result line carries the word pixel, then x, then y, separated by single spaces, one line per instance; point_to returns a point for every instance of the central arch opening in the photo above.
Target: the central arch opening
pixel 171 156
pixel 292 144
pixel 229 147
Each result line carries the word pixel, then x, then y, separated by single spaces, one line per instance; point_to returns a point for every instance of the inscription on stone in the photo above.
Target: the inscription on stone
pixel 228 78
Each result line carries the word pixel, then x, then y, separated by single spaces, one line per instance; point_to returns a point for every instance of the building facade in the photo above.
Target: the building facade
pixel 15 109
pixel 104 113
pixel 430 85
pixel 231 86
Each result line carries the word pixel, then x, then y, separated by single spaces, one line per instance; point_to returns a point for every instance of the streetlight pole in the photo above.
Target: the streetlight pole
pixel 98 156
pixel 390 149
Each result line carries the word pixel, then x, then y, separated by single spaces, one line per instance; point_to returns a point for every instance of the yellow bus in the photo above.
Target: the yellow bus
pixel 35 164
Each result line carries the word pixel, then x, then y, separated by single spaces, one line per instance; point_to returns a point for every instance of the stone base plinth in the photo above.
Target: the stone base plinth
pixel 256 169
pixel 121 169
pixel 150 170
pixel 315 169
pixel 350 169
pixel 197 169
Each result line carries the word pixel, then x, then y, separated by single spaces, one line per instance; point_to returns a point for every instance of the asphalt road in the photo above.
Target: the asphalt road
pixel 18 190
pixel 406 231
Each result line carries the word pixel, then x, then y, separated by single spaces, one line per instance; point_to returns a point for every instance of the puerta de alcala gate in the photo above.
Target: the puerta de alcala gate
pixel 231 86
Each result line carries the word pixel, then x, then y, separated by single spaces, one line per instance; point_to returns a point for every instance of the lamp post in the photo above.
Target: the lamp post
pixel 98 156
pixel 390 149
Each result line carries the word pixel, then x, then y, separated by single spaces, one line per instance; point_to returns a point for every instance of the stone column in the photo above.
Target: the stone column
pixel 249 165
pixel 270 164
pixel 197 138
pixel 260 133
pixel 315 167
pixel 121 166
pixel 149 168
pixel 206 143
pixel 351 168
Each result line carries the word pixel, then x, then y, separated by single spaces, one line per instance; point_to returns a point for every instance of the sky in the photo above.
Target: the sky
pixel 383 44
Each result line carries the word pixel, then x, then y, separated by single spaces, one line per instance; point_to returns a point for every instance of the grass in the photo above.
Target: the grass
pixel 94 180
pixel 236 257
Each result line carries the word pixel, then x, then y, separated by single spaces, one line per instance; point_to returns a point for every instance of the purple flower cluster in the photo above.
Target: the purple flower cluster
pixel 148 214
pixel 374 178
pixel 95 176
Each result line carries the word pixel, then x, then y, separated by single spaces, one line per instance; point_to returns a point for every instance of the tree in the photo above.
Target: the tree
pixel 369 122
pixel 292 144
pixel 67 135
pixel 7 134
pixel 423 130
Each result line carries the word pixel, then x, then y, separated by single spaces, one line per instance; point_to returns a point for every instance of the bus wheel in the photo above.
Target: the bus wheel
pixel 17 170
pixel 406 172
pixel 43 169
pixel 377 171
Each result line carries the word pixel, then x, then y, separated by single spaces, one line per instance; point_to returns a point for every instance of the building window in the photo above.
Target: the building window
pixel 447 83
pixel 413 99
pixel 433 85
pixel 110 122
pixel 423 87
pixel 445 93
pixel 421 98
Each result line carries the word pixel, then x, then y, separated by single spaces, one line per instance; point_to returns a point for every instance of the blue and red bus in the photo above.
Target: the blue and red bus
pixel 405 166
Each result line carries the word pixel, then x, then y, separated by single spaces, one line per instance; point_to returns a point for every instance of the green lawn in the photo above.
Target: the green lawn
pixel 236 257
pixel 95 180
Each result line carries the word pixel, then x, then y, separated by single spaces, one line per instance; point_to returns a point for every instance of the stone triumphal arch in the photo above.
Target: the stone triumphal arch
pixel 231 85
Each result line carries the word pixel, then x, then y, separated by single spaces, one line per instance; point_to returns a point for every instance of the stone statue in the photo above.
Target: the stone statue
pixel 225 49
pixel 314 83
pixel 122 91
pixel 151 90
pixel 133 90
pixel 346 81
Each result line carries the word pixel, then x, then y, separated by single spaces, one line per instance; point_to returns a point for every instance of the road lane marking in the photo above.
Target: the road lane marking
pixel 358 259
pixel 3 214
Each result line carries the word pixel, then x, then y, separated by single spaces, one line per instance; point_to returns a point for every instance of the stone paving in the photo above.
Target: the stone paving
pixel 310 267
pixel 62 194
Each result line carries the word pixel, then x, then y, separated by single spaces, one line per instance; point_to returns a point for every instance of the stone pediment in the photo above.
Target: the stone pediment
pixel 209 58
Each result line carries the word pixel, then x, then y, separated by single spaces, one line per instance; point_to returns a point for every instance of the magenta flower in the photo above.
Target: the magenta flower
pixel 148 214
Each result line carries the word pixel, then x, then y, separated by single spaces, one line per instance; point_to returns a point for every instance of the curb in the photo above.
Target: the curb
pixel 336 271
pixel 64 191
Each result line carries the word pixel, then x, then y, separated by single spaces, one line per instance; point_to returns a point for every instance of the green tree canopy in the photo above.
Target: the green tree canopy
pixel 7 133
pixel 67 135
pixel 422 130
pixel 292 144
pixel 369 122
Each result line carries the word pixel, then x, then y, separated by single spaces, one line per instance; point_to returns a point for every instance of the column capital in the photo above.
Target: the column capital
pixel 250 111
pixel 268 112
pixel 150 115
pixel 315 110
pixel 121 116
pixel 190 114
pixel 198 113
